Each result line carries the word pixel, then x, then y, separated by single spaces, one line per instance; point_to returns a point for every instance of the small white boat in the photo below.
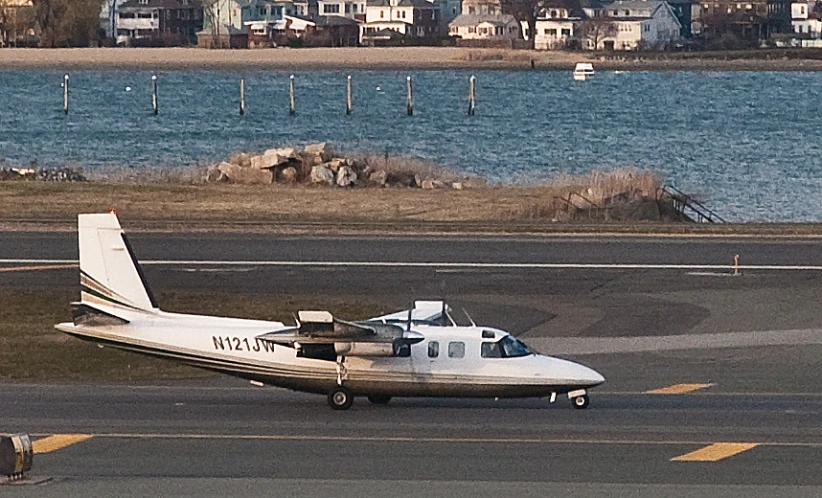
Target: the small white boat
pixel 583 71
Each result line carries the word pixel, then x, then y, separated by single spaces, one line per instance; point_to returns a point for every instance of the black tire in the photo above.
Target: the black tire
pixel 340 398
pixel 581 402
pixel 379 399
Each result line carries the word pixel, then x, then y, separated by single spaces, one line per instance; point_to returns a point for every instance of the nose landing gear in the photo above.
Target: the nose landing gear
pixel 579 399
pixel 581 402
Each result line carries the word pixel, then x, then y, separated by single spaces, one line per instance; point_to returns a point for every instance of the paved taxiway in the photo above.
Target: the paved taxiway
pixel 182 438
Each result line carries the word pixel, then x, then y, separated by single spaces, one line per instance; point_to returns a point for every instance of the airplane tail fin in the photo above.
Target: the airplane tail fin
pixel 109 272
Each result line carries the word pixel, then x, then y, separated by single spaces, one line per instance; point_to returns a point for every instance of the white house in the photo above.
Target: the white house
pixel 226 16
pixel 352 9
pixel 637 24
pixel 485 27
pixel 620 25
pixel 403 18
pixel 555 29
pixel 805 20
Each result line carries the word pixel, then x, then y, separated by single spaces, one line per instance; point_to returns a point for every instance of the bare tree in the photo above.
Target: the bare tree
pixel 4 23
pixel 595 29
pixel 528 11
pixel 68 23
pixel 16 19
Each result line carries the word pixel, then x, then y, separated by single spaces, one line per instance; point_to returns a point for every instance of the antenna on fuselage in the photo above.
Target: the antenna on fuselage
pixel 469 317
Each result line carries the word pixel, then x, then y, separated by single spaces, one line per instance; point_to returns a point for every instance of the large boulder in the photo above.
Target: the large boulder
pixel 427 184
pixel 346 176
pixel 241 159
pixel 285 152
pixel 322 175
pixel 248 176
pixel 214 174
pixel 334 164
pixel 272 158
pixel 257 162
pixel 378 178
pixel 288 175
pixel 323 150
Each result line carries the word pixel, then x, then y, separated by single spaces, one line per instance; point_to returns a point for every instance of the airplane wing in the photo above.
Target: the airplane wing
pixel 319 335
pixel 423 311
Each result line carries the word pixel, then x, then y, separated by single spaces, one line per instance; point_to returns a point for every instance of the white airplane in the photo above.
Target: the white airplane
pixel 419 352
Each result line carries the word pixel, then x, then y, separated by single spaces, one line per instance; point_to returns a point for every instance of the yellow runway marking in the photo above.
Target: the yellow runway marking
pixel 57 441
pixel 36 268
pixel 715 452
pixel 678 389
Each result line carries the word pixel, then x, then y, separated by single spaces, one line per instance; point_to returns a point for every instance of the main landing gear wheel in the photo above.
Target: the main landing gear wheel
pixel 340 398
pixel 379 399
pixel 581 402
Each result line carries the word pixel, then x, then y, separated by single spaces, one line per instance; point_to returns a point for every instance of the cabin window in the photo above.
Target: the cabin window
pixel 491 350
pixel 487 334
pixel 456 349
pixel 433 349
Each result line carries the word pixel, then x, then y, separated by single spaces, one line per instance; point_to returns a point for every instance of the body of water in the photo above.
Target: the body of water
pixel 747 142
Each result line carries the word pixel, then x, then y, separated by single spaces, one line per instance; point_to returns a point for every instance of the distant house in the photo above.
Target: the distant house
pixel 647 24
pixel 483 23
pixel 411 21
pixel 352 9
pixel 166 22
pixel 486 27
pixel 556 28
pixel 226 22
pixel 805 20
pixel 323 31
pixel 752 20
pixel 620 25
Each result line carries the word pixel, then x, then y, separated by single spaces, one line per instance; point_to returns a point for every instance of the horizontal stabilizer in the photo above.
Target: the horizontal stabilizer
pixel 83 314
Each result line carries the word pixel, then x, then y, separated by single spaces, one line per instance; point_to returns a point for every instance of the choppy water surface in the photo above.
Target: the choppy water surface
pixel 747 142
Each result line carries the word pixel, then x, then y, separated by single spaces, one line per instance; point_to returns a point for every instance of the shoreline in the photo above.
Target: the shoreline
pixel 392 58
pixel 226 208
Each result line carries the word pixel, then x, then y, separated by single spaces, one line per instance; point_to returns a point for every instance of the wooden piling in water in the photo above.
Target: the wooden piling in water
pixel 409 99
pixel 348 95
pixel 292 109
pixel 242 96
pixel 471 83
pixel 65 94
pixel 154 94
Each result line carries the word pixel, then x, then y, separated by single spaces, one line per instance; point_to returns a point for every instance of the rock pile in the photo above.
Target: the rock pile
pixel 316 164
pixel 42 174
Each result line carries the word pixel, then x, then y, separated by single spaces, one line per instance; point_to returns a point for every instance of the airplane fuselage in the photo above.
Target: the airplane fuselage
pixel 448 362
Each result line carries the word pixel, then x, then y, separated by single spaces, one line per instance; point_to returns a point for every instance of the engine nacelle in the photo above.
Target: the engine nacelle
pixel 365 349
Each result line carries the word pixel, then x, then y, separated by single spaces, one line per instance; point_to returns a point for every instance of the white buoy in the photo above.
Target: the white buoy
pixel 128 88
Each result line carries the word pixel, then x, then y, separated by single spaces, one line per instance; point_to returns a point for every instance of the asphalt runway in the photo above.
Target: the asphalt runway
pixel 734 362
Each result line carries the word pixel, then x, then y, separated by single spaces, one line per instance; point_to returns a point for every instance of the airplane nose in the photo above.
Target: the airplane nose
pixel 592 376
pixel 595 377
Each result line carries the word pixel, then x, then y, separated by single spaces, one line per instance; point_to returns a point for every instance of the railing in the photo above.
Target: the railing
pixel 690 207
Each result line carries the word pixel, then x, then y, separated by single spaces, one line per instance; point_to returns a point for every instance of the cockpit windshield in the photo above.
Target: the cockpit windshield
pixel 513 347
pixel 507 347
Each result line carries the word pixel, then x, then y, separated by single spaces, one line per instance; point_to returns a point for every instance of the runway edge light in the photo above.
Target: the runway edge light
pixel 16 457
